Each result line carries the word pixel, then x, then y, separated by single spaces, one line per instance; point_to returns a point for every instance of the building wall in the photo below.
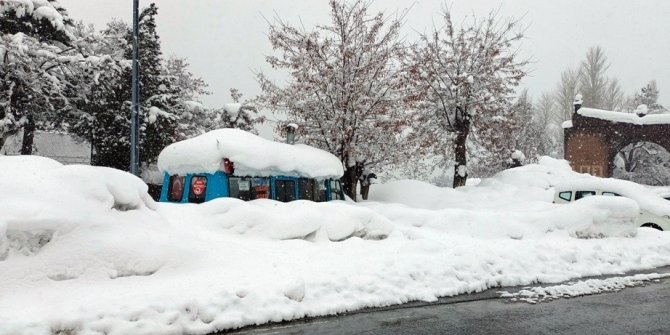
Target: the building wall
pixel 588 153
pixel 591 144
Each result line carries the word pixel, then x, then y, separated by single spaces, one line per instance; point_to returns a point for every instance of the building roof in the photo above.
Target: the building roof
pixel 251 154
pixel 624 117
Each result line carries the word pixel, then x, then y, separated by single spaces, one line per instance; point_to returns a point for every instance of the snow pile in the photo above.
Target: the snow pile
pixel 616 217
pixel 69 197
pixel 252 155
pixel 580 288
pixel 515 187
pixel 332 221
pixel 646 198
pixel 625 117
pixel 86 251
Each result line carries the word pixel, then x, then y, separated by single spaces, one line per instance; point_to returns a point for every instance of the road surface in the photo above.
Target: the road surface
pixel 634 310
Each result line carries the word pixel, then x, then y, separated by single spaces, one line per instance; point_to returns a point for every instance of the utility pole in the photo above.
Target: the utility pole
pixel 134 113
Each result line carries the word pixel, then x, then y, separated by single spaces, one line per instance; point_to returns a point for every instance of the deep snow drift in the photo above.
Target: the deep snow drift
pixel 85 249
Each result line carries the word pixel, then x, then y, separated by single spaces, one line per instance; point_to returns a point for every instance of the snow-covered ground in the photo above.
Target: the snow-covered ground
pixel 84 249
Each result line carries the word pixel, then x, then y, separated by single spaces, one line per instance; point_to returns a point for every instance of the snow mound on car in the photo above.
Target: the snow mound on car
pixel 43 199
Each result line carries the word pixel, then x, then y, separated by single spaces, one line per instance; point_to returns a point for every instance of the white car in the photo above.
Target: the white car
pixel 645 219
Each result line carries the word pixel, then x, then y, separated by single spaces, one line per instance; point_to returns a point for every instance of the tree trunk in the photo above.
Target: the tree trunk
pixel 460 153
pixel 350 180
pixel 28 136
pixel 3 138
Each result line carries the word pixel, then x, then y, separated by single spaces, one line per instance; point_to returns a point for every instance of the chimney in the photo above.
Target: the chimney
pixel 578 102
pixel 290 133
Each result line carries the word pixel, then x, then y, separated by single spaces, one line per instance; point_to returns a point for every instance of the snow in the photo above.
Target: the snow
pixel 155 113
pixel 641 110
pixel 252 155
pixel 625 117
pixel 51 14
pixel 39 9
pixel 21 7
pixel 462 170
pixel 233 109
pixel 566 124
pixel 84 250
pixel 582 287
pixel 518 155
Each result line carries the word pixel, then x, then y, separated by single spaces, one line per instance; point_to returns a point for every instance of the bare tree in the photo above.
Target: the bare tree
pixel 613 97
pixel 592 77
pixel 565 95
pixel 345 90
pixel 467 77
pixel 546 117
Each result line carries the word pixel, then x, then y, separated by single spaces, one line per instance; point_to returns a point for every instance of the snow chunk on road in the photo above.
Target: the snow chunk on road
pixel 580 288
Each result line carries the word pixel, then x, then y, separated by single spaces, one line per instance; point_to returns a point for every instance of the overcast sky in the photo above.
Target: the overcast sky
pixel 225 40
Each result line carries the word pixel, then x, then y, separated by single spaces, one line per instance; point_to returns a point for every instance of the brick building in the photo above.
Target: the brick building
pixel 593 137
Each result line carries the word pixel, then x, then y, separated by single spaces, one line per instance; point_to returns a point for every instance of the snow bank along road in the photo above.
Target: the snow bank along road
pixel 638 310
pixel 85 250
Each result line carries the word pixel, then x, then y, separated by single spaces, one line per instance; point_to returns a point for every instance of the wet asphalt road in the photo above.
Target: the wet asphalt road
pixel 634 310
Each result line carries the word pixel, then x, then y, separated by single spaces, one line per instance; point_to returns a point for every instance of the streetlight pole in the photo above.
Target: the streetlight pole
pixel 134 113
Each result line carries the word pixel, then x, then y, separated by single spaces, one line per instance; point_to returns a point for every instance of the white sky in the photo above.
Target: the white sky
pixel 225 40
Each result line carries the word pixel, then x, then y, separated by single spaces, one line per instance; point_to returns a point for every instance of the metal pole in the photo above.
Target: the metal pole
pixel 134 113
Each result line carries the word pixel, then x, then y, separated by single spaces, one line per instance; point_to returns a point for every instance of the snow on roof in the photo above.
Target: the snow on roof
pixel 252 155
pixel 625 117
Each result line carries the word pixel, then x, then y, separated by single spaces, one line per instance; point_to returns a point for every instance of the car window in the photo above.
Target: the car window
pixel 583 194
pixel 566 195
pixel 611 194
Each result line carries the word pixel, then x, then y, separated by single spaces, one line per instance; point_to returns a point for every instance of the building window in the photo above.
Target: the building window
pixel 240 188
pixel 284 190
pixel 320 191
pixel 176 188
pixel 248 188
pixel 261 188
pixel 307 189
pixel 335 190
pixel 198 189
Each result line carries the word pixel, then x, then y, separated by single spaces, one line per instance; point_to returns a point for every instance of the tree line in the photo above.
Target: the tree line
pixel 448 101
pixel 57 74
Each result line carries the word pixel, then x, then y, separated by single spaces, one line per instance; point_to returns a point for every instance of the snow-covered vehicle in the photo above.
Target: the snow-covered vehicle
pixel 235 163
pixel 649 212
